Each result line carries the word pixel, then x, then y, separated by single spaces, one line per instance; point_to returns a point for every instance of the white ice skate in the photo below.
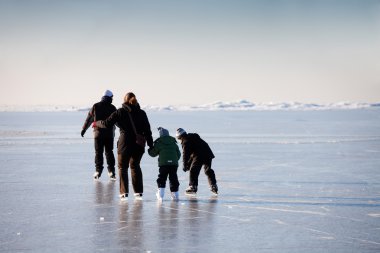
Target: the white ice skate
pixel 160 194
pixel 124 197
pixel 96 176
pixel 175 196
pixel 112 176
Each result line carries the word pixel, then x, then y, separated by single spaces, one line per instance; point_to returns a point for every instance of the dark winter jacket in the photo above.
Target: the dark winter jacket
pixel 127 138
pixel 194 149
pixel 100 111
pixel 167 149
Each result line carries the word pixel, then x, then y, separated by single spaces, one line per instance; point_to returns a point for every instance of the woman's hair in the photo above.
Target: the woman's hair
pixel 130 98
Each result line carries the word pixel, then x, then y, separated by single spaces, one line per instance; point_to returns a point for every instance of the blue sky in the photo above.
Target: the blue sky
pixel 189 52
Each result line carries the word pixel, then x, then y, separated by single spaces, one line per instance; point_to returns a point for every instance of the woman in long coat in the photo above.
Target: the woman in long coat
pixel 130 152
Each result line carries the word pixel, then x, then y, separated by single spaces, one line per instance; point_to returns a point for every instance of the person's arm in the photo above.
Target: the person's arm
pixel 178 152
pixel 185 155
pixel 146 131
pixel 89 120
pixel 109 122
pixel 154 151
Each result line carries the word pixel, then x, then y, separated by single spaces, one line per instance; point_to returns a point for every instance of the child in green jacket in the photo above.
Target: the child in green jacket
pixel 165 147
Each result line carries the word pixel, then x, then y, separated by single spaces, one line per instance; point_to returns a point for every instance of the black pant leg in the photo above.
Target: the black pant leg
pixel 195 168
pixel 163 173
pixel 209 172
pixel 108 144
pixel 173 178
pixel 136 173
pixel 99 149
pixel 123 164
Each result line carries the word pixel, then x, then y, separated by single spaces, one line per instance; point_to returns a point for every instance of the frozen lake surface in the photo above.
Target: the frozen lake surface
pixel 289 181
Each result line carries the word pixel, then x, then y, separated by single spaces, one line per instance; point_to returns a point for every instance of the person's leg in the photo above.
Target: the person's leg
pixel 123 164
pixel 162 176
pixel 173 178
pixel 194 173
pixel 209 172
pixel 109 155
pixel 136 174
pixel 211 176
pixel 99 149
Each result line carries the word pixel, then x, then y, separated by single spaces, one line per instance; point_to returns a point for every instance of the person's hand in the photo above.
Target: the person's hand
pixel 185 169
pixel 94 124
pixel 82 132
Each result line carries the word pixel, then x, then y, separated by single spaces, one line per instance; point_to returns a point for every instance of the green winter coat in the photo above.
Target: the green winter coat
pixel 167 151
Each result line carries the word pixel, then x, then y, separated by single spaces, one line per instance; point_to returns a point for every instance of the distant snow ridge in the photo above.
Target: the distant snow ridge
pixel 241 105
pixel 39 108
pixel 245 105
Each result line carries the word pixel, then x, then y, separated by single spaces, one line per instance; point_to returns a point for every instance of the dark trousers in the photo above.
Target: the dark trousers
pixel 195 169
pixel 130 158
pixel 166 171
pixel 104 143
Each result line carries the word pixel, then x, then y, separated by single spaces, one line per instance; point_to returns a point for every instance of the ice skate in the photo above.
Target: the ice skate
pixel 192 190
pixel 138 196
pixel 174 196
pixel 160 194
pixel 112 176
pixel 214 189
pixel 124 197
pixel 96 175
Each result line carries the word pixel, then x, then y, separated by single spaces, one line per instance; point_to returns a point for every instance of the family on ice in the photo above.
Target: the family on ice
pixel 135 133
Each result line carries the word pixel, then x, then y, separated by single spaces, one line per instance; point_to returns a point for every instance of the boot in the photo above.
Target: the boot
pixel 160 193
pixel 174 195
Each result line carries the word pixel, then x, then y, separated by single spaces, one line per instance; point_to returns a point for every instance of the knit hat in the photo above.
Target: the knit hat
pixel 163 132
pixel 180 132
pixel 108 93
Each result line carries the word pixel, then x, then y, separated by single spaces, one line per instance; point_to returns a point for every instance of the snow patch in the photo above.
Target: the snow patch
pixel 375 215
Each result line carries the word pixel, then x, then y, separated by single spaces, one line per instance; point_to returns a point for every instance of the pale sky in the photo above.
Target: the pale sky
pixel 174 52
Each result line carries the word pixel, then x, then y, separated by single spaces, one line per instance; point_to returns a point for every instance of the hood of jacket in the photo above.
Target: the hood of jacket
pixel 107 99
pixel 130 107
pixel 167 140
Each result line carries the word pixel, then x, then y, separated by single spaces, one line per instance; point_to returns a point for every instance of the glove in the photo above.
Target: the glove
pixel 82 132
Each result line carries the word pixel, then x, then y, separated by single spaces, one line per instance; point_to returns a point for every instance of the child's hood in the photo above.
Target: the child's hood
pixel 168 140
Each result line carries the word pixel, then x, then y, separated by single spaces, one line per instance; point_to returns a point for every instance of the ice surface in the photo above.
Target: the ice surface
pixel 289 181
